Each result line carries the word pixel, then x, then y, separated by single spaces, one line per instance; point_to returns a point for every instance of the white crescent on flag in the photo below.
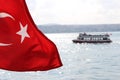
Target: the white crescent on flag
pixel 3 44
pixel 4 15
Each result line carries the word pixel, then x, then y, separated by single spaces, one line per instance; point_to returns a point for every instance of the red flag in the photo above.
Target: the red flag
pixel 22 46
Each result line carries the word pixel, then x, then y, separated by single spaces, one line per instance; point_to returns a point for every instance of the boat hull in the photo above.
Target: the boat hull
pixel 83 41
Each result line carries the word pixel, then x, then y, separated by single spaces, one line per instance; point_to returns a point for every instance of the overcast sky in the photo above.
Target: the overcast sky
pixel 75 11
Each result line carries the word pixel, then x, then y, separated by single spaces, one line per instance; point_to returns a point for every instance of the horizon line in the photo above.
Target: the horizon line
pixel 81 24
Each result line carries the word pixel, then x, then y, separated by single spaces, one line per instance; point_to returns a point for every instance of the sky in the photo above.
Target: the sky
pixel 74 11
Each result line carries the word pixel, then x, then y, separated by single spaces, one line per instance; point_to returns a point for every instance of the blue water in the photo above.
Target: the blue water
pixel 80 61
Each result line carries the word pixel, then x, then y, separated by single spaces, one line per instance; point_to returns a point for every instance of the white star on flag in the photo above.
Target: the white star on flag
pixel 23 32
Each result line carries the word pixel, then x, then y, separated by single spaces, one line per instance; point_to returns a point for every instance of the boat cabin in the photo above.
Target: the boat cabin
pixel 88 38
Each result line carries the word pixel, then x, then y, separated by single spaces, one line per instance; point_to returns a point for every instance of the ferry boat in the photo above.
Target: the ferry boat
pixel 88 38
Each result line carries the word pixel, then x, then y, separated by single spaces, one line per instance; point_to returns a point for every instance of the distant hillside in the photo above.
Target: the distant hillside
pixel 79 28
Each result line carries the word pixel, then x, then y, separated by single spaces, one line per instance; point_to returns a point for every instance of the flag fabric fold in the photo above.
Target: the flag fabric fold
pixel 22 46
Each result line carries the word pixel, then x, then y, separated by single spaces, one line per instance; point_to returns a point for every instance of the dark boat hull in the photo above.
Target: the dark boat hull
pixel 83 41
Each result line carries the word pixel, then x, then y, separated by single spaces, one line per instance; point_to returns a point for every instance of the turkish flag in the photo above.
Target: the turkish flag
pixel 22 46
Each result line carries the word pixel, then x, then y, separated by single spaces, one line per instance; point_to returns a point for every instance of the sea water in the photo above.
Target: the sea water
pixel 80 61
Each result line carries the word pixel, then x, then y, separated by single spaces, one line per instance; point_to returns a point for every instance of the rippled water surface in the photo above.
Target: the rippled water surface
pixel 80 61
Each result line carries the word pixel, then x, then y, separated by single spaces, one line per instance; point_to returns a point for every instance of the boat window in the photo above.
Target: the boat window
pixel 104 38
pixel 82 38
